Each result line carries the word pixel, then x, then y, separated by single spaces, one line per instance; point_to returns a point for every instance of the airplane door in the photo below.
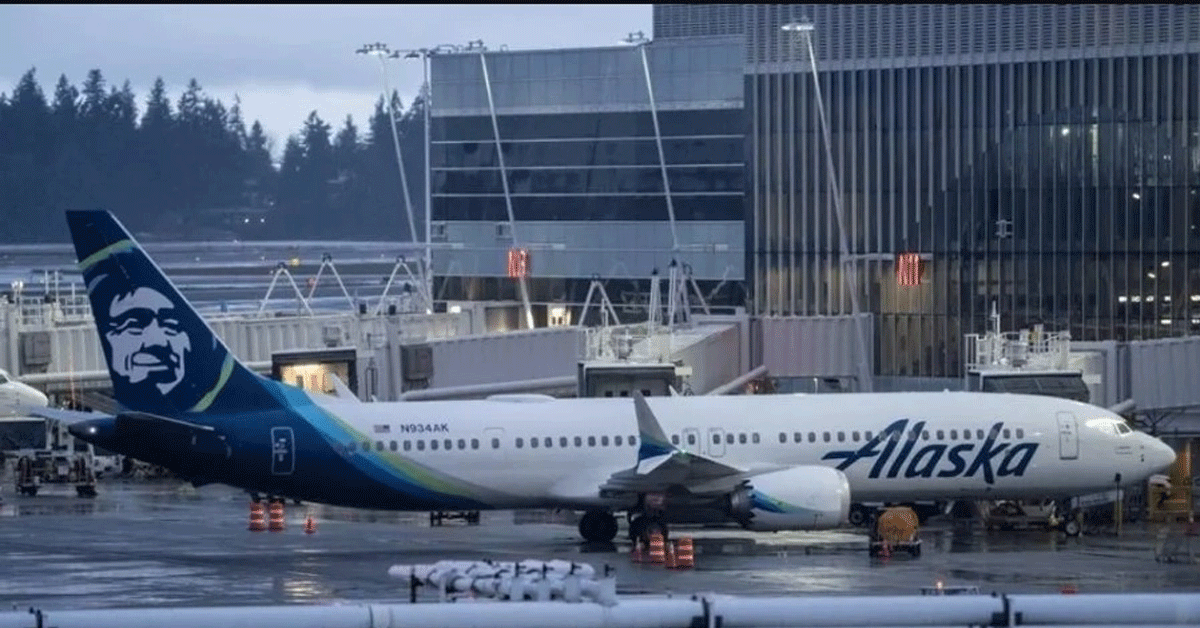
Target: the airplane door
pixel 691 440
pixel 1068 436
pixel 283 451
pixel 716 442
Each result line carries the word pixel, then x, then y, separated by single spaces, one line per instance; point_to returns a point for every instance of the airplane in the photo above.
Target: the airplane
pixel 764 462
pixel 16 395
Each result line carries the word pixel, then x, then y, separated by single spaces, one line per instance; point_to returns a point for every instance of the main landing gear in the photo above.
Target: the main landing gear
pixel 642 527
pixel 598 526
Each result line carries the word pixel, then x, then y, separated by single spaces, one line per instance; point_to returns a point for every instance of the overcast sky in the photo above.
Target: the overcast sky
pixel 282 60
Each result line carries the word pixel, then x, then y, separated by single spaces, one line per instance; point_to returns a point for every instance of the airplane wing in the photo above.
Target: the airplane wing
pixel 662 465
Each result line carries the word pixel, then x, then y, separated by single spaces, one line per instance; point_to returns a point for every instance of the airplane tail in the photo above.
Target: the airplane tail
pixel 162 357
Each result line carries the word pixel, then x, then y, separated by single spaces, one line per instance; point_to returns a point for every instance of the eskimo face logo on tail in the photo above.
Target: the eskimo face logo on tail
pixel 989 457
pixel 146 339
pixel 161 357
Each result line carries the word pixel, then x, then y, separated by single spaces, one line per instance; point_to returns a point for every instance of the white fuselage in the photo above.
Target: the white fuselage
pixel 15 395
pixel 939 446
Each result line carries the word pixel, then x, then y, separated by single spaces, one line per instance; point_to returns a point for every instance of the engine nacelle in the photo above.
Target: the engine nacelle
pixel 801 498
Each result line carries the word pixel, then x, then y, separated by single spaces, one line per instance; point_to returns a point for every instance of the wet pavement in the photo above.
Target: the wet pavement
pixel 163 544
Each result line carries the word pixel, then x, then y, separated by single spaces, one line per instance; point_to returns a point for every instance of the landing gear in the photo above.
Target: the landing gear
pixel 598 526
pixel 859 515
pixel 642 527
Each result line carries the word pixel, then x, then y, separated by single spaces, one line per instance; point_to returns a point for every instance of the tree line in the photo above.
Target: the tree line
pixel 192 169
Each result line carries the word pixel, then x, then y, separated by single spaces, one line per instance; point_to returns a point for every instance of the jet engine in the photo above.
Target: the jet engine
pixel 800 498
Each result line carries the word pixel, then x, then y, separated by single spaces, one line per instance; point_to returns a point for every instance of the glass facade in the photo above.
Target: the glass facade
pixel 1044 158
pixel 576 133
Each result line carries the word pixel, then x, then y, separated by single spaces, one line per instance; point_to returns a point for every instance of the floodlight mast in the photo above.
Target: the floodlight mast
pixel 805 29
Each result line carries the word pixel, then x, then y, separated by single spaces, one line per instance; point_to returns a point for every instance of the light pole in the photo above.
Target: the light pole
pixel 423 54
pixel 382 51
pixel 640 40
pixel 849 268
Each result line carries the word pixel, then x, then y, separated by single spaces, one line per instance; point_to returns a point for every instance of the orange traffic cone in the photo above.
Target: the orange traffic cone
pixel 257 523
pixel 685 557
pixel 275 524
pixel 657 553
pixel 309 525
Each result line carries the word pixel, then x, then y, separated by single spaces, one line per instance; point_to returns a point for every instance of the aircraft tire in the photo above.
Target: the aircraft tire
pixel 858 515
pixel 598 526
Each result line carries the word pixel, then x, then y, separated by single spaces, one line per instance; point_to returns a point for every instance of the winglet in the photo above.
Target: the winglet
pixel 341 389
pixel 653 442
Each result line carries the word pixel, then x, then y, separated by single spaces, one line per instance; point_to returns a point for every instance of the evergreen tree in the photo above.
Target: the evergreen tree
pixel 27 154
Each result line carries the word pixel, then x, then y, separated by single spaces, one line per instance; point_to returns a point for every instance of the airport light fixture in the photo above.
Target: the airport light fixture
pixel 805 28
pixel 423 54
pixel 382 52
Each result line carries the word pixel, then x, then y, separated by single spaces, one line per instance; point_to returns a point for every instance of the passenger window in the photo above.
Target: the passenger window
pixel 1007 433
pixel 841 437
pixel 618 441
pixel 754 438
pixel 392 446
pixel 825 435
pixel 729 439
pixel 1020 432
pixel 408 445
pixel 520 443
pixel 716 439
pixel 449 444
pixel 549 442
pixel 742 438
pixel 783 437
pixel 953 434
pixel 366 445
pixel 812 437
pixel 925 434
pixel 796 437
pixel 495 443
pixel 867 435
pixel 533 442
pixel 578 441
pixel 941 435
pixel 674 439
pixel 474 443
pixel 979 434
pixel 633 440
pixel 604 441
pixel 433 444
pixel 913 436
pixel 562 441
pixel 854 435
pixel 378 445
pixel 691 439
pixel 420 445
pixel 462 444
pixel 591 441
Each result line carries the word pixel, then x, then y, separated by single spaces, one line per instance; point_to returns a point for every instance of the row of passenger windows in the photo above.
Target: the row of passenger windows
pixel 448 444
pixel 730 438
pixel 855 436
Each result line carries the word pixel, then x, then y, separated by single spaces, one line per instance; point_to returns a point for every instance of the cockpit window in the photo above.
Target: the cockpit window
pixel 1112 427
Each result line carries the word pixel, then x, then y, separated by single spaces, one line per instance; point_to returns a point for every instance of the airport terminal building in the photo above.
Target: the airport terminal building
pixel 1044 158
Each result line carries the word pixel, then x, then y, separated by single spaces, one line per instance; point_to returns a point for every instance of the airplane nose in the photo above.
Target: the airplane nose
pixel 1160 454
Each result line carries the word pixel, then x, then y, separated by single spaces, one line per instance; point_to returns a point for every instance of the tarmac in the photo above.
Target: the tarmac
pixel 160 543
